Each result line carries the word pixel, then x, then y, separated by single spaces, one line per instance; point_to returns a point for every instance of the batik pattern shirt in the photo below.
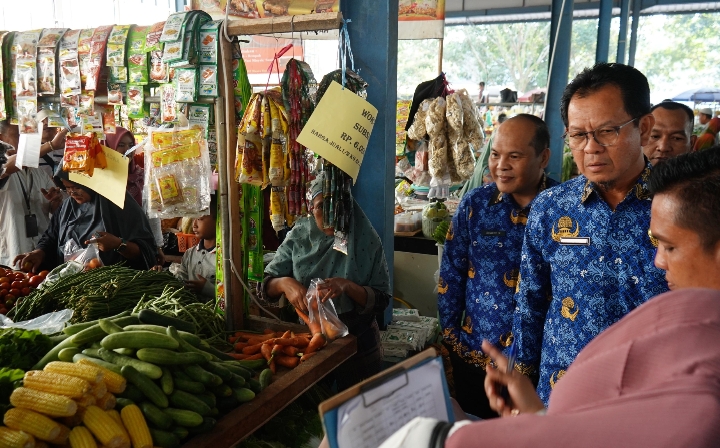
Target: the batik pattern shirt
pixel 479 271
pixel 584 266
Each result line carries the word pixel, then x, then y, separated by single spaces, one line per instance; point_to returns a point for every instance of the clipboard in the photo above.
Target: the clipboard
pixel 382 404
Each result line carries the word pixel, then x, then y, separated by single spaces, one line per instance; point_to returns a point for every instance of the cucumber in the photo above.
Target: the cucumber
pixel 132 393
pixel 243 395
pixel 180 375
pixel 147 369
pixel 254 364
pixel 96 333
pixel 165 357
pixel 237 381
pixel 197 373
pixel 67 354
pixel 222 390
pixel 99 362
pixel 227 403
pixel 254 385
pixel 183 417
pixel 180 432
pixel 218 370
pixel 155 416
pixel 166 382
pixel 186 346
pixel 93 352
pixel 184 335
pixel 138 339
pixel 204 346
pixel 146 386
pixel 184 400
pixel 125 351
pixel 52 355
pixel 265 378
pixel 193 387
pixel 77 328
pixel 208 398
pixel 121 402
pixel 237 370
pixel 214 412
pixel 164 439
pixel 153 318
pixel 58 338
pixel 109 326
pixel 207 426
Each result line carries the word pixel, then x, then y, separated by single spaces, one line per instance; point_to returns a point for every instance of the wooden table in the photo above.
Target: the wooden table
pixel 287 385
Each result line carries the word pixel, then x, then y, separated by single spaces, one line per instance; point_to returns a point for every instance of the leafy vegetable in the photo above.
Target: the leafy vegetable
pixel 21 349
pixel 441 231
pixel 9 380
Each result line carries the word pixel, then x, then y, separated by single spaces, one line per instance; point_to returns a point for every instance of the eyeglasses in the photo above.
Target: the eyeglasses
pixel 71 190
pixel 604 136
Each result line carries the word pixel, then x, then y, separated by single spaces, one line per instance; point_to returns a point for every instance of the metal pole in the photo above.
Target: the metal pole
pixel 622 36
pixel 440 56
pixel 603 35
pixel 560 37
pixel 634 31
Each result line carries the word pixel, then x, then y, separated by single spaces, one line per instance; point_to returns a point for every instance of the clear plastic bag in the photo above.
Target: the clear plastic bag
pixel 88 258
pixel 47 323
pixel 324 313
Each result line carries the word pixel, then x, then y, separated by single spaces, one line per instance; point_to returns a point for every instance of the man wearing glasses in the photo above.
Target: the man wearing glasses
pixel 587 258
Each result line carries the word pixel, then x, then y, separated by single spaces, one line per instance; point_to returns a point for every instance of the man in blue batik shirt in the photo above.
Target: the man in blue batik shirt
pixel 481 259
pixel 587 258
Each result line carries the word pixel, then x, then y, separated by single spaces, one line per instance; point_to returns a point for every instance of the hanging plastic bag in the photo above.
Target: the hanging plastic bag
pixel 323 313
pixel 88 258
pixel 47 323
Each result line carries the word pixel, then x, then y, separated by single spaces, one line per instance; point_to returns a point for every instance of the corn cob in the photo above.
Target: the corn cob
pixel 107 401
pixel 98 389
pixel 115 415
pixel 73 420
pixel 107 431
pixel 62 438
pixel 115 383
pixel 56 383
pixel 10 438
pixel 86 400
pixel 43 402
pixel 90 374
pixel 136 425
pixel 32 423
pixel 80 437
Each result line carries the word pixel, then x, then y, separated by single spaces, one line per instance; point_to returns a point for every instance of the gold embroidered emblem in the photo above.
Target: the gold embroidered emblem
pixel 567 306
pixel 450 233
pixel 471 213
pixel 442 286
pixel 467 328
pixel 641 190
pixel 518 217
pixel 471 270
pixel 654 241
pixel 506 339
pixel 565 229
pixel 511 278
pixel 554 379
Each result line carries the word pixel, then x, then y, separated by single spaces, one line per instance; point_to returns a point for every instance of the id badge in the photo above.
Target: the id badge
pixel 31 226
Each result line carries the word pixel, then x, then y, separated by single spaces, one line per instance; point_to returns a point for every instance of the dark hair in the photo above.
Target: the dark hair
pixel 482 83
pixel 502 117
pixel 633 86
pixel 693 179
pixel 672 105
pixel 213 206
pixel 541 138
pixel 707 115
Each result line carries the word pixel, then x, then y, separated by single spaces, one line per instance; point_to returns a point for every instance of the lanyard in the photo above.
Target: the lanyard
pixel 25 193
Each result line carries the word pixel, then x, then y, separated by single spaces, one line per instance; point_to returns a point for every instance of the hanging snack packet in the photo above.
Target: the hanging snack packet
pixel 199 117
pixel 3 110
pixel 135 101
pixel 84 47
pixel 27 115
pixel 49 39
pixel 168 106
pixel 137 56
pixel 98 44
pixel 116 93
pixel 172 30
pixel 26 76
pixel 87 103
pixel 186 85
pixel 78 156
pixel 69 66
pixel 208 80
pixel 108 120
pixel 116 49
pixel 208 38
pixel 248 160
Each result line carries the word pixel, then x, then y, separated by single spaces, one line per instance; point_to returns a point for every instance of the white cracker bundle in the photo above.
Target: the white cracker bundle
pixel 459 149
pixel 436 125
pixel 472 130
pixel 417 130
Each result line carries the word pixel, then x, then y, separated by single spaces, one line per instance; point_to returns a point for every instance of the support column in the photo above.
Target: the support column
pixel 603 35
pixel 560 38
pixel 622 36
pixel 374 39
pixel 636 5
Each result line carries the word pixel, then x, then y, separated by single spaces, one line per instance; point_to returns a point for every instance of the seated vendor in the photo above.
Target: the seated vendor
pixel 121 235
pixel 357 283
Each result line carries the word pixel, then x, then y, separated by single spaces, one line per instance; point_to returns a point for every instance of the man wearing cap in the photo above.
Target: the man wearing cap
pixel 672 133
pixel 709 135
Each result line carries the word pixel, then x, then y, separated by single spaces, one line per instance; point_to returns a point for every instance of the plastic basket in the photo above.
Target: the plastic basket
pixel 186 241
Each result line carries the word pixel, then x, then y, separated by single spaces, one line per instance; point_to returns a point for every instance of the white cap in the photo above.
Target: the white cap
pixel 706 111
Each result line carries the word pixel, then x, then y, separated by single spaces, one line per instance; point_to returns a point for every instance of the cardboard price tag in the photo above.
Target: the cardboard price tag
pixel 339 129
pixel 110 182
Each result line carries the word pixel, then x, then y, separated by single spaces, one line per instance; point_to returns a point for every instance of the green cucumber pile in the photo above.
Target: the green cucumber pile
pixel 181 384
pixel 102 292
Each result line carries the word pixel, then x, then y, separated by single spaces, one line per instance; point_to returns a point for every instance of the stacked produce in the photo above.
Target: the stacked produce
pixel 285 349
pixel 14 285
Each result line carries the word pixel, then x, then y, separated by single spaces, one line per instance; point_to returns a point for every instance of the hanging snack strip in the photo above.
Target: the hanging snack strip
pixel 25 50
pixel 116 62
pixel 46 61
pixel 159 71
pixel 83 153
pixel 208 45
pixel 70 86
pixel 3 109
pixel 11 93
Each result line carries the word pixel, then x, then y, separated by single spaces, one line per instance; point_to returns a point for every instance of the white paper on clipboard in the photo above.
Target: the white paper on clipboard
pixel 368 419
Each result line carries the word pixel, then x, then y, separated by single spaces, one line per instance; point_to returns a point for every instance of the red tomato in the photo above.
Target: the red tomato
pixel 5 285
pixel 25 291
pixel 19 276
pixel 5 279
pixel 35 280
pixel 3 293
pixel 13 292
pixel 17 284
pixel 43 274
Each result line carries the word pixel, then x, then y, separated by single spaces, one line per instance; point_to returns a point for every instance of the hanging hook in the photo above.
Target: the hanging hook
pixel 292 32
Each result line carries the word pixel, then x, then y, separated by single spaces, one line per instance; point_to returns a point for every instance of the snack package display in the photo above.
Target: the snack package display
pixel 254 211
pixel 3 110
pixel 116 54
pixel 46 60
pixel 98 44
pixel 209 34
pixel 177 173
pixel 186 84
pixel 168 105
pixel 135 101
pixel 84 47
pixel 323 312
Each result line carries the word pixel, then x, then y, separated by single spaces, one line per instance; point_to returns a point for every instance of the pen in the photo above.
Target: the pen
pixel 512 356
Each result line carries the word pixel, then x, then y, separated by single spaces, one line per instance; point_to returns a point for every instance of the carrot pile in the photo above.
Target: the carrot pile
pixel 286 349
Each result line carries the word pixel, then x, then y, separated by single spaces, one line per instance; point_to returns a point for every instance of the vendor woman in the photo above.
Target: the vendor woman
pixel 358 283
pixel 121 235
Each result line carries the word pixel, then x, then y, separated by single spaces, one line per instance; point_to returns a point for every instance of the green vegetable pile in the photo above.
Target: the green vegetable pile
pixel 21 349
pixel 10 379
pixel 440 232
pixel 101 292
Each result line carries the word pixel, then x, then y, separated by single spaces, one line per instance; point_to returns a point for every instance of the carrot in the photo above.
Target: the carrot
pixel 304 341
pixel 255 356
pixel 266 351
pixel 307 356
pixel 251 349
pixel 275 351
pixel 303 316
pixel 287 361
pixel 287 334
pixel 238 356
pixel 260 339
pixel 232 339
pixel 314 326
pixel 272 367
pixel 240 345
pixel 316 343
pixel 303 335
pixel 289 341
pixel 268 331
pixel 246 335
pixel 290 350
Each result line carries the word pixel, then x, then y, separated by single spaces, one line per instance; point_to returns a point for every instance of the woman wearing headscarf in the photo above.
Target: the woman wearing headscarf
pixel 357 283
pixel 121 141
pixel 121 235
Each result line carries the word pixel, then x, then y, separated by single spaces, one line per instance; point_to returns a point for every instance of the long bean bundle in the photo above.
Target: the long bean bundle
pixel 101 292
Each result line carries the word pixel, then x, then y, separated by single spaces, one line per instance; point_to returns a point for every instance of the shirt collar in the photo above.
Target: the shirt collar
pixel 498 196
pixel 201 246
pixel 640 189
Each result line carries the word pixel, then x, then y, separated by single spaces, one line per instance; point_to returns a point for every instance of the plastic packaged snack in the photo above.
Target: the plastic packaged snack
pixel 186 83
pixel 168 106
pixel 135 101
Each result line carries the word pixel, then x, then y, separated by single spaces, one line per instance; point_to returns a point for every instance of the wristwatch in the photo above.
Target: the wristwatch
pixel 121 248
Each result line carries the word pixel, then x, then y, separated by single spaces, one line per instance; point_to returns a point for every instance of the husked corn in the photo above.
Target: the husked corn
pixel 136 425
pixel 91 374
pixel 9 438
pixel 80 437
pixel 115 383
pixel 43 402
pixel 56 383
pixel 107 431
pixel 32 423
